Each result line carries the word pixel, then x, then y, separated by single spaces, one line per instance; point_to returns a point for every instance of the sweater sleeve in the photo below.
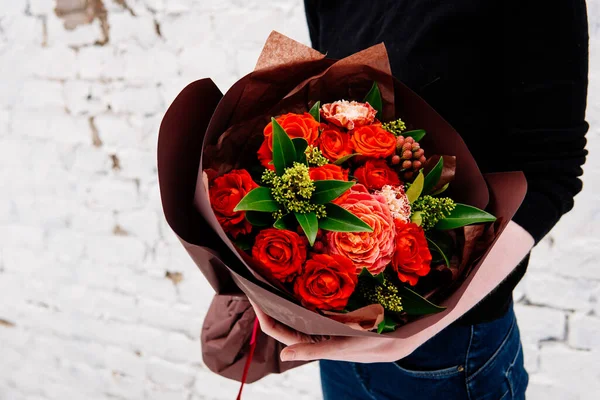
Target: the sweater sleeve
pixel 312 20
pixel 546 54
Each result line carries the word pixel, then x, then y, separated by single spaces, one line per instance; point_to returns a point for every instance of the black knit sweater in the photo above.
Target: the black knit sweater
pixel 510 76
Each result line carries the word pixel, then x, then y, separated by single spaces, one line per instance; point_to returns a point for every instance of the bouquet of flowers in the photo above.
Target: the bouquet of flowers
pixel 332 195
pixel 344 212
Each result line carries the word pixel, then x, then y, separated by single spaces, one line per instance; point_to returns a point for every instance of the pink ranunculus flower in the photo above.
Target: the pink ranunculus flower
pixel 370 250
pixel 397 202
pixel 348 114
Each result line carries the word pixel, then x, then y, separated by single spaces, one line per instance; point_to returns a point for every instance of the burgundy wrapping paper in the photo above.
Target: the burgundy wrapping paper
pixel 202 124
pixel 228 323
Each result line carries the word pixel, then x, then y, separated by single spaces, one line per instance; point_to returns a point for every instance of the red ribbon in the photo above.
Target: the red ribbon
pixel 250 355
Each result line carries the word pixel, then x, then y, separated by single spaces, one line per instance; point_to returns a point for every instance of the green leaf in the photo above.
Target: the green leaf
pixel 342 160
pixel 387 325
pixel 286 222
pixel 340 220
pixel 258 218
pixel 365 273
pixel 445 241
pixel 328 190
pixel 309 224
pixel 441 190
pixel 433 176
pixel 415 190
pixel 284 152
pixel 258 199
pixel 300 145
pixel 280 224
pixel 315 111
pixel 243 243
pixel 374 99
pixel 414 304
pixel 417 218
pixel 439 251
pixel 463 215
pixel 416 134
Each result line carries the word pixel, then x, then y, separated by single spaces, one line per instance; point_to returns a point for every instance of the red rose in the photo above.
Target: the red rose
pixel 375 174
pixel 333 143
pixel 327 282
pixel 225 193
pixel 348 114
pixel 328 171
pixel 281 252
pixel 265 155
pixel 411 258
pixel 296 126
pixel 373 141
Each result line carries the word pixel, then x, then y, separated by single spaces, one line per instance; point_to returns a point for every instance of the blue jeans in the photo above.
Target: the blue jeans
pixel 479 362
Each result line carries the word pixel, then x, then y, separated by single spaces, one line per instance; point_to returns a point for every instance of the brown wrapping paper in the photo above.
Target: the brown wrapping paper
pixel 363 319
pixel 203 129
pixel 226 331
pixel 225 336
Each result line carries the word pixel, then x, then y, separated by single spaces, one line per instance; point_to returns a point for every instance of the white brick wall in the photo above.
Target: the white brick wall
pixel 86 311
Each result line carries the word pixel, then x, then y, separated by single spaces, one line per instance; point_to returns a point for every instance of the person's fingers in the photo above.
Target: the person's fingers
pixel 332 349
pixel 278 331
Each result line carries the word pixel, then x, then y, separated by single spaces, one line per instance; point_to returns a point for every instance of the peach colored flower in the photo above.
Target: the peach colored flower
pixel 348 114
pixel 370 250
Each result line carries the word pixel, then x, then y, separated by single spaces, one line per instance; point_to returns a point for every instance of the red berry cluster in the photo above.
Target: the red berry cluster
pixel 409 157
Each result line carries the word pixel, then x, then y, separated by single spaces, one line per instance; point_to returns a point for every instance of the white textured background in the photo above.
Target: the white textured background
pixel 97 298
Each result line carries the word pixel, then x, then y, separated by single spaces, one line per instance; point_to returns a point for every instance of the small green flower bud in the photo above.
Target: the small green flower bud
pixel 432 209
